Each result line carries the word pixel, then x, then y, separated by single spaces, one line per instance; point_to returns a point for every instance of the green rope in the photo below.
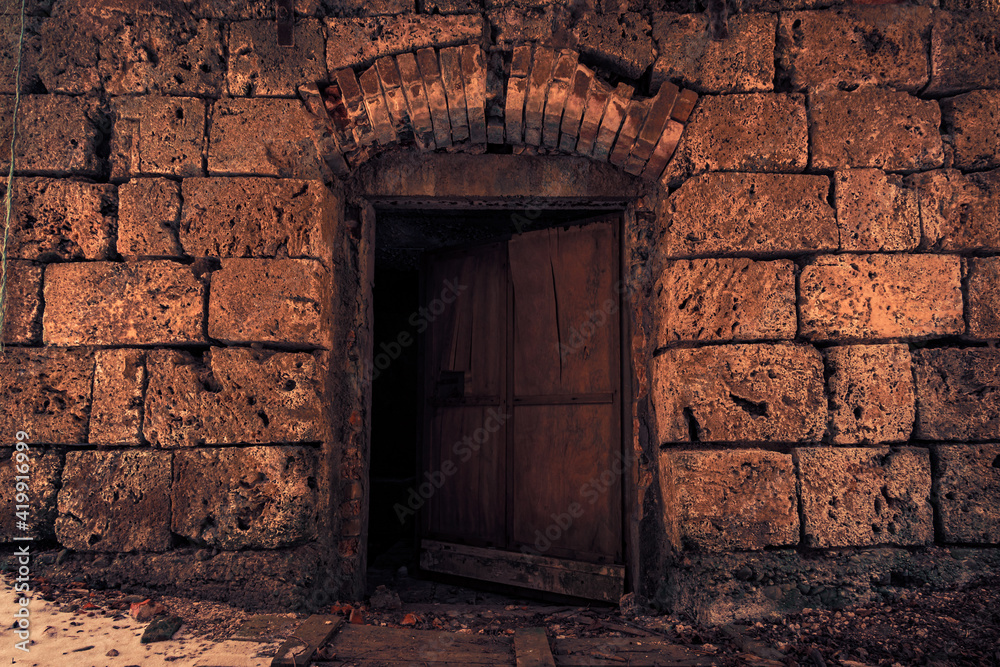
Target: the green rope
pixel 10 183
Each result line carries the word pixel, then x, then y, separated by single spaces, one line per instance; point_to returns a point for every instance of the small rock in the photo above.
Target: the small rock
pixel 409 619
pixel 385 600
pixel 61 558
pixel 161 629
pixel 112 653
pixel 744 573
pixel 146 610
pixel 357 617
pixel 628 605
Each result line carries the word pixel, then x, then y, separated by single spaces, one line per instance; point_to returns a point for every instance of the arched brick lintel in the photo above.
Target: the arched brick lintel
pixel 442 99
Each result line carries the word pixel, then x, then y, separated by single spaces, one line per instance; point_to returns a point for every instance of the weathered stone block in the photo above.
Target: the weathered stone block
pixel 725 299
pixel 742 63
pixel 260 9
pixel 234 395
pixel 753 132
pixel 43 472
pixel 116 501
pixel 857 46
pixel 958 393
pixel 133 303
pixel 356 42
pixel 732 500
pixel 959 213
pixel 257 217
pixel 871 393
pixel 368 8
pixel 872 127
pixel 621 42
pixel 864 496
pixel 258 66
pixel 965 53
pixel 983 279
pixel 116 416
pixel 875 212
pixel 56 135
pixel 149 210
pixel 752 393
pixel 245 498
pixel 59 55
pixel 763 214
pixel 290 153
pixel 518 25
pixel 285 301
pixel 967 490
pixel 157 135
pixel 22 319
pixel 858 297
pixel 974 121
pixel 45 393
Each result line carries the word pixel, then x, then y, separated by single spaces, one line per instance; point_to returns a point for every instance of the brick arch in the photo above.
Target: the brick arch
pixel 434 98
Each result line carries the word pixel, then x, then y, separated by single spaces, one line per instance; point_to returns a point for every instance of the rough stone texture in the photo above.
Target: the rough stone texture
pixel 45 393
pixel 233 395
pixel 958 393
pixel 621 42
pixel 148 213
pixel 857 46
pixel 116 415
pixel 967 491
pixel 59 55
pixel 289 153
pixel 753 132
pixel 871 393
pixel 546 26
pixel 132 303
pixel 172 55
pixel 974 122
pixel 44 468
pixel 752 393
pixel 115 501
pixel 865 496
pixel 732 500
pixel 965 53
pixel 22 319
pixel 852 297
pixel 725 299
pixel 56 135
pixel 742 63
pixel 983 280
pixel 887 130
pixel 258 217
pixel 358 42
pixel 875 212
pixel 246 498
pixel 959 213
pixel 157 135
pixel 283 301
pixel 761 214
pixel 258 66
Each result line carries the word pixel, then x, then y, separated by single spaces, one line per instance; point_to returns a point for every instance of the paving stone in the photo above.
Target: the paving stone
pixel 865 496
pixel 233 395
pixel 245 498
pixel 959 213
pixel 974 123
pixel 130 303
pixel 358 42
pixel 44 468
pixel 958 393
pixel 46 393
pixel 742 63
pixel 965 53
pixel 762 214
pixel 888 130
pixel 621 42
pixel 281 301
pixel 115 501
pixel 149 211
pixel 725 299
pixel 57 135
pixel 871 393
pixel 858 297
pixel 732 500
pixel 884 45
pixel 156 135
pixel 982 275
pixel 747 393
pixel 875 212
pixel 22 318
pixel 258 66
pixel 116 415
pixel 967 490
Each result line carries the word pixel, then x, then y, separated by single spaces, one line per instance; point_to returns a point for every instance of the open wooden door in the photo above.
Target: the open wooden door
pixel 522 417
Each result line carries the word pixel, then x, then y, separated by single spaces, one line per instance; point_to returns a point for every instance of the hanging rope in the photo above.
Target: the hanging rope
pixel 10 183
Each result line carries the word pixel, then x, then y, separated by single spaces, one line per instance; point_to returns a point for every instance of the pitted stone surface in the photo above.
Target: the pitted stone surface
pixel 45 393
pixel 959 213
pixel 233 395
pixel 258 66
pixel 44 468
pixel 854 297
pixel 750 393
pixel 356 42
pixel 974 122
pixel 56 135
pixel 148 213
pixel 967 489
pixel 875 212
pixel 865 496
pixel 59 55
pixel 958 393
pixel 245 498
pixel 725 299
pixel 732 500
pixel 965 52
pixel 22 319
pixel 621 42
pixel 116 415
pixel 982 276
pixel 871 393
pixel 116 501
pixel 157 136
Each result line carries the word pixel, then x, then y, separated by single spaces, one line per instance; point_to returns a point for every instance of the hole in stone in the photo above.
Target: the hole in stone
pixel 996 462
pixel 93 539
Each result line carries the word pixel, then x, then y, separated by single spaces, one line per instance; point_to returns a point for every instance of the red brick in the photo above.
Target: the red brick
pixel 45 393
pixel 354 100
pixel 437 99
pixel 149 211
pixel 983 279
pixel 684 105
pixel 55 135
pixel 514 111
pixel 451 75
pixel 576 103
pixel 416 98
pixel 635 116
pixel 538 84
pixel 663 151
pixel 354 42
pixel 656 122
pixel 22 317
pixel 590 125
pixel 395 99
pixel 474 75
pixel 116 415
pixel 520 61
pixel 614 116
pixel 563 73
pixel 324 133
pixel 259 66
pixel 376 108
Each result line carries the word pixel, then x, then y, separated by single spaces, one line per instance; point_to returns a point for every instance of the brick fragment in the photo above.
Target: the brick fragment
pixel 982 275
pixel 258 66
pixel 437 99
pixel 43 487
pixel 619 41
pixel 967 491
pixel 965 53
pixel 958 393
pixel 56 135
pixel 576 102
pixel 354 42
pixel 555 102
pixel 684 105
pixel 974 123
pixel 959 212
pixel 474 75
pixel 22 316
pixel 376 107
pixel 871 393
pixel 611 122
pixel 875 212
pixel 597 101
pixel 116 416
pixel 149 211
pixel 416 98
pixel 451 76
pixel 542 67
pixel 157 136
pixel 46 393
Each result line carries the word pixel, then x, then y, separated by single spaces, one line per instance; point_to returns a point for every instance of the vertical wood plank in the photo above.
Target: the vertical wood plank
pixel 531 648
